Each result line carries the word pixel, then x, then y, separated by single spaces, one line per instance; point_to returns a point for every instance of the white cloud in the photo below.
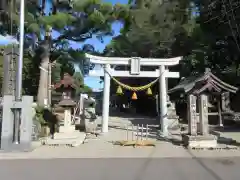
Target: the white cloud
pixel 5 40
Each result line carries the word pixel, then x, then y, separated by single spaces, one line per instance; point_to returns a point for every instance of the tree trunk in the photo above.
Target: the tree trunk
pixel 43 82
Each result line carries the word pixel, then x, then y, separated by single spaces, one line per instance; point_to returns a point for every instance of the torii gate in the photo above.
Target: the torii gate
pixel 135 64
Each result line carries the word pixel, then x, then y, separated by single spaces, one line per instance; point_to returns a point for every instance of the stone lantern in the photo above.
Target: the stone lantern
pixel 67 87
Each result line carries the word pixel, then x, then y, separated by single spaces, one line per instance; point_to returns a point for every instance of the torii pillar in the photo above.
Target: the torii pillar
pixel 135 64
pixel 106 99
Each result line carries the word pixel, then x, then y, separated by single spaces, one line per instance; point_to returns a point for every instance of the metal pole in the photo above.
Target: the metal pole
pixel 18 92
pixel 20 60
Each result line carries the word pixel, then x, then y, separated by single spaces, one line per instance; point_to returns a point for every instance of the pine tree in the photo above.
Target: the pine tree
pixel 75 20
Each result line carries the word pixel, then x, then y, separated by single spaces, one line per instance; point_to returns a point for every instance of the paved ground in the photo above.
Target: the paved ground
pixel 100 159
pixel 121 168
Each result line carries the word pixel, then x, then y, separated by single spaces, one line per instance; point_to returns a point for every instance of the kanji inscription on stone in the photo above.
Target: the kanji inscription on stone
pixel 203 114
pixel 192 114
pixel 9 66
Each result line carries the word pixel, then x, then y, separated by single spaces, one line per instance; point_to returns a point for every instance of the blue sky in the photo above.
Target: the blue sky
pixel 93 82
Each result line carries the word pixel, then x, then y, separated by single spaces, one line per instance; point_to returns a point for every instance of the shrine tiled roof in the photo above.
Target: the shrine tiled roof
pixel 67 81
pixel 201 82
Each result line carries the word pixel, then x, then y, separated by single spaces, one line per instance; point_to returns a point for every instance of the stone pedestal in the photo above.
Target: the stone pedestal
pixel 67 125
pixel 74 139
pixel 66 129
pixel 67 135
pixel 67 117
pixel 200 141
pixel 89 120
pixel 173 118
pixel 8 124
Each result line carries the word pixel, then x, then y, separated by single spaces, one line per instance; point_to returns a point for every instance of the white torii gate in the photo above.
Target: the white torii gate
pixel 135 64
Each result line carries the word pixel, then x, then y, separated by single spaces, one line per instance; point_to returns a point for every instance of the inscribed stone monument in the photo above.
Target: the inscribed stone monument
pixel 192 115
pixel 203 114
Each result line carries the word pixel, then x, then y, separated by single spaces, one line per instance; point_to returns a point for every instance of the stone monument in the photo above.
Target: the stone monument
pixel 9 70
pixel 15 135
pixel 89 116
pixel 201 139
pixel 192 115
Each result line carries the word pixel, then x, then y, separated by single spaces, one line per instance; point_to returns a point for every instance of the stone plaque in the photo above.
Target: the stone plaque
pixel 192 114
pixel 203 114
pixel 135 66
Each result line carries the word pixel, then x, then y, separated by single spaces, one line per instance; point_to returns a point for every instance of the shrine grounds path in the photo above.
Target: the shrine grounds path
pixel 99 159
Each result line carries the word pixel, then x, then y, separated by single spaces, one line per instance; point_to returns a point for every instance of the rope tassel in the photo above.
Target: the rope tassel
pixel 119 90
pixel 149 91
pixel 134 96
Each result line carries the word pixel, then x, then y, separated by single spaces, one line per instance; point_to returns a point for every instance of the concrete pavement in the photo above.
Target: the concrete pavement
pixel 121 168
pixel 101 160
pixel 103 147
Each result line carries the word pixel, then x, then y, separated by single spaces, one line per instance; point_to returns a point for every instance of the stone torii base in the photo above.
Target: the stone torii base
pixel 7 124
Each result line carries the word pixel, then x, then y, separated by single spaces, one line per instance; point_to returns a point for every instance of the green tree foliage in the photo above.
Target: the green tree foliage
pixel 205 32
pixel 75 21
pixel 154 25
pixel 79 81
pixel 219 24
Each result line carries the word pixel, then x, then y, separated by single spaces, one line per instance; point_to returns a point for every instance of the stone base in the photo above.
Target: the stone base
pixel 66 129
pixel 173 122
pixel 73 139
pixel 209 141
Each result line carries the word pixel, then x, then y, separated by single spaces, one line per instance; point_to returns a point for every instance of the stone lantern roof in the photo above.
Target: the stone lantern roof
pixel 66 84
